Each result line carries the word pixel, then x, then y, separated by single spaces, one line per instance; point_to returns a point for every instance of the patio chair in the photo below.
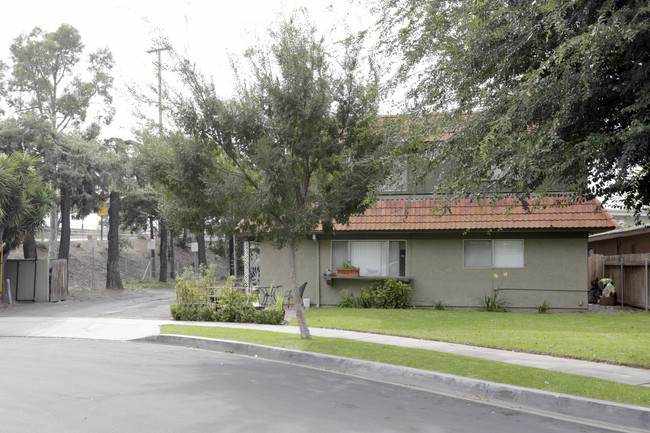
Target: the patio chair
pixel 301 291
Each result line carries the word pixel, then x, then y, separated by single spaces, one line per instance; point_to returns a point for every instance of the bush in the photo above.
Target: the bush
pixel 389 293
pixel 271 316
pixel 196 300
pixel 184 312
pixel 196 288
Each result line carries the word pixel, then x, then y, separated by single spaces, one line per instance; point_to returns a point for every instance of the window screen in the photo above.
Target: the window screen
pixel 477 254
pixel 508 253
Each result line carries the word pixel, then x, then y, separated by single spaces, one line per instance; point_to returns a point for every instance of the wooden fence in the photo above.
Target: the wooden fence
pixel 629 273
pixel 59 280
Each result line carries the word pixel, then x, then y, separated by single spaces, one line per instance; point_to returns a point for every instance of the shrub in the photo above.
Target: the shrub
pixel 184 312
pixel 196 288
pixel 439 305
pixel 389 293
pixel 271 316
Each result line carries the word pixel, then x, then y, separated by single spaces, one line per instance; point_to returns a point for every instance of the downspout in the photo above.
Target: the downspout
pixel 313 236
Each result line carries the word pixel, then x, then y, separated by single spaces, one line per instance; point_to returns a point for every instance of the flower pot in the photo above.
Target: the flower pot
pixel 348 273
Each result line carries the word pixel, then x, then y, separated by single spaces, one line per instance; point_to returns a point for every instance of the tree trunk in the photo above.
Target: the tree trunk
pixel 300 309
pixel 153 252
pixel 172 267
pixel 113 279
pixel 163 252
pixel 64 245
pixel 203 260
pixel 29 247
pixel 54 227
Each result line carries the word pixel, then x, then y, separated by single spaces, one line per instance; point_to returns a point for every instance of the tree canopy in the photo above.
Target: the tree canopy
pixel 535 94
pixel 51 80
pixel 45 68
pixel 298 146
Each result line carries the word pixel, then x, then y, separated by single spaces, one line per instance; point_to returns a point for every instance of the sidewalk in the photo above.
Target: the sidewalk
pixel 130 329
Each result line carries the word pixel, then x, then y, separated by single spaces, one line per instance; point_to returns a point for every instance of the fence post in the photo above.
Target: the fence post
pixel 9 292
pixel 646 284
pixel 622 282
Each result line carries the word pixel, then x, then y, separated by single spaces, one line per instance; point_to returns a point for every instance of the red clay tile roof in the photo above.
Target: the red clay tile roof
pixel 427 214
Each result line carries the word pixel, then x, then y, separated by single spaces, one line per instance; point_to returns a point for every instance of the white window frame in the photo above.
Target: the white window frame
pixel 386 247
pixel 492 254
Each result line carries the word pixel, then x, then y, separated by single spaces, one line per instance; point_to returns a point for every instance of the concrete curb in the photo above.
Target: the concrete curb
pixel 589 410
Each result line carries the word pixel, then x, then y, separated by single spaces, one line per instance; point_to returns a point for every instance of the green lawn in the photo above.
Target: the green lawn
pixel 435 361
pixel 619 338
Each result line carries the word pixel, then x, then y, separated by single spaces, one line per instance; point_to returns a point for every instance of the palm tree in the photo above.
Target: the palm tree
pixel 24 199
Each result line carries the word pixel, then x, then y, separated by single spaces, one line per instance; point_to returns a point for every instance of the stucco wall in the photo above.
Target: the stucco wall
pixel 274 267
pixel 555 267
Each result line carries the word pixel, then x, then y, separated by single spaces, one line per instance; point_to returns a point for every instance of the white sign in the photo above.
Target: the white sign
pixel 194 247
pixel 92 243
pixel 151 244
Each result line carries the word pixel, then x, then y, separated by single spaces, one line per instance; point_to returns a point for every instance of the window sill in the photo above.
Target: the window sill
pixel 329 280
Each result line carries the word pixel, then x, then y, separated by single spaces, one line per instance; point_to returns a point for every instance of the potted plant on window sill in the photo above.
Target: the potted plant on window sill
pixel 347 271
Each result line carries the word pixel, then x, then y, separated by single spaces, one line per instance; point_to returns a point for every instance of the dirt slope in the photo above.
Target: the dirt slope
pixel 134 259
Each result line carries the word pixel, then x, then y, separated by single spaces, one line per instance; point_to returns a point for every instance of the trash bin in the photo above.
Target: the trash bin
pixel 306 302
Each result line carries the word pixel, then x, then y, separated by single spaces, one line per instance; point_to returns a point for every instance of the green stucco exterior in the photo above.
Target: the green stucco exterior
pixel 555 269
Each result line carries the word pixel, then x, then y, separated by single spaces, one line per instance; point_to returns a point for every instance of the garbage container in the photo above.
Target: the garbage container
pixel 306 302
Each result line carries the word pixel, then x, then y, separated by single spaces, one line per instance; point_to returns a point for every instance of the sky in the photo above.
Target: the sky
pixel 205 31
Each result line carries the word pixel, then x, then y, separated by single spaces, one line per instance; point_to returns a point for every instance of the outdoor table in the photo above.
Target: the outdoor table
pixel 264 292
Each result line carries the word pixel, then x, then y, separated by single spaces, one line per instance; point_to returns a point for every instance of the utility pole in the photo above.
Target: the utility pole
pixel 160 134
pixel 159 65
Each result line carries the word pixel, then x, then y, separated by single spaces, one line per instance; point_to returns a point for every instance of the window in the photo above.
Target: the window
pixel 373 258
pixel 502 253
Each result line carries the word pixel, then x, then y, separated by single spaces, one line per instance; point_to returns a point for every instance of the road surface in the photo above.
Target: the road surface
pixel 65 385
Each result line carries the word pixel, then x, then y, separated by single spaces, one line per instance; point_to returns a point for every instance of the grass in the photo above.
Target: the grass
pixel 138 285
pixel 434 361
pixel 616 338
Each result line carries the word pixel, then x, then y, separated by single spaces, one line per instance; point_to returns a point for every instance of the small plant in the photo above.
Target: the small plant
pixel 543 309
pixel 493 303
pixel 439 305
pixel 347 300
pixel 348 265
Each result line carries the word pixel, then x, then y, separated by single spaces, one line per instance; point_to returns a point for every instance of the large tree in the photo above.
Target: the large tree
pixel 50 79
pixel 299 144
pixel 182 169
pixel 537 94
pixel 117 179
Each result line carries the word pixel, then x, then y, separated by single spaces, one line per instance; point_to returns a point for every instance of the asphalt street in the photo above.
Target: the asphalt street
pixel 82 365
pixel 66 385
